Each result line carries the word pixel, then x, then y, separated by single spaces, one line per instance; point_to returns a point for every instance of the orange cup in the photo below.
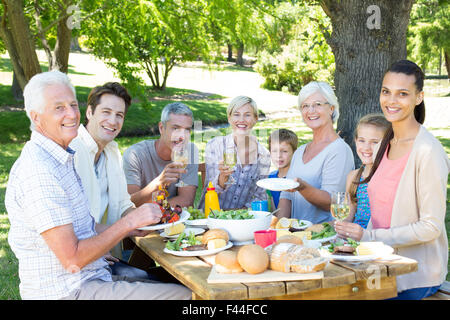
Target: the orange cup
pixel 265 238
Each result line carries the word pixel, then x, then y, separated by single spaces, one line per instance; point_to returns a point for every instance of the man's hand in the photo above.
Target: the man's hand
pixel 144 215
pixel 171 173
pixel 110 259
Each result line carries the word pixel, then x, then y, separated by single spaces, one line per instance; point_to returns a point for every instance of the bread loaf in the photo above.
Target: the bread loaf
pixel 287 257
pixel 309 265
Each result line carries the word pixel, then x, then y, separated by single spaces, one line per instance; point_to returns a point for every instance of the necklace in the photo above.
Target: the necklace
pixel 395 140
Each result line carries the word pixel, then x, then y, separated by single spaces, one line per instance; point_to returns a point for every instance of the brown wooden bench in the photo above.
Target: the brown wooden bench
pixel 442 294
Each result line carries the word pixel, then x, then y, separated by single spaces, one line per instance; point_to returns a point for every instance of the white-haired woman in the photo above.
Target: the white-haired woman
pixel 236 186
pixel 320 166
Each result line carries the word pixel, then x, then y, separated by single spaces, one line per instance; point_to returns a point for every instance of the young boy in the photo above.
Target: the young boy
pixel 282 145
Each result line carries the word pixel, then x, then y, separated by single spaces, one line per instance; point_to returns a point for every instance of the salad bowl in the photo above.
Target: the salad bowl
pixel 240 224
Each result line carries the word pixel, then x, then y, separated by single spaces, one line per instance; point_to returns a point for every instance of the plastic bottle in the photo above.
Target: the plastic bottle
pixel 211 199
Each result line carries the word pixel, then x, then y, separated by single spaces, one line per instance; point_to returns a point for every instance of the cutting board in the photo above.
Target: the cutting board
pixel 266 276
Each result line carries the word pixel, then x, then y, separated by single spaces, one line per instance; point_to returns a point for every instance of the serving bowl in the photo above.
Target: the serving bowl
pixel 241 230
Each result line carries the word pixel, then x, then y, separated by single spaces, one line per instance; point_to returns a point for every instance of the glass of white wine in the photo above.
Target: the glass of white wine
pixel 229 159
pixel 340 205
pixel 180 154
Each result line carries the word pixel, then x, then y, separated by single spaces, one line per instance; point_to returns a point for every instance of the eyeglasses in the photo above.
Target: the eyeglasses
pixel 316 105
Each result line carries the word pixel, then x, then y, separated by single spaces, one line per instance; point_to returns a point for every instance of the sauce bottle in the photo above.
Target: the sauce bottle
pixel 211 199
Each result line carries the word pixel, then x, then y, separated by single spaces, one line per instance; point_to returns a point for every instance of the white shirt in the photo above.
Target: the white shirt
pixel 45 192
pixel 118 197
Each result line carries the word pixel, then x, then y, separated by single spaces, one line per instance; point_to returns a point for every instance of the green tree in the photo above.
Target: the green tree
pixel 428 34
pixel 153 36
pixel 28 24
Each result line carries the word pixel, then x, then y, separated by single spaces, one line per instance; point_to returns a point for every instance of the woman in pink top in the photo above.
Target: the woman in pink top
pixel 407 186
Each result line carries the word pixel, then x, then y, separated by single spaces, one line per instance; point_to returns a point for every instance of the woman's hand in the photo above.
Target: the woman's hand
pixel 348 230
pixel 300 185
pixel 224 175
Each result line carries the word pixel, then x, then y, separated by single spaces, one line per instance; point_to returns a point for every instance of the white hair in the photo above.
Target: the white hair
pixel 325 90
pixel 33 93
pixel 239 101
pixel 175 108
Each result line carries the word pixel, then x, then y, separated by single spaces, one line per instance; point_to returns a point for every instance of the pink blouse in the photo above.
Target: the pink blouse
pixel 382 188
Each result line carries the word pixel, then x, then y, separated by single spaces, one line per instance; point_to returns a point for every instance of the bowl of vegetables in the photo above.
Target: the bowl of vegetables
pixel 240 224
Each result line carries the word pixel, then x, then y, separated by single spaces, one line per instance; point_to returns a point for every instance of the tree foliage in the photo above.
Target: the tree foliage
pixel 305 57
pixel 153 36
pixel 428 33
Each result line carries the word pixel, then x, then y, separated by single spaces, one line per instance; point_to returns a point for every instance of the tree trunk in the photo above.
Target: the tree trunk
pixel 22 40
pixel 230 52
pixel 62 47
pixel 16 90
pixel 367 37
pixel 74 44
pixel 447 62
pixel 240 54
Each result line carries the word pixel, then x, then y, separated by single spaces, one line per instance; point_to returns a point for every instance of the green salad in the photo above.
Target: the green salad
pixel 195 213
pixel 327 231
pixel 240 214
pixel 182 242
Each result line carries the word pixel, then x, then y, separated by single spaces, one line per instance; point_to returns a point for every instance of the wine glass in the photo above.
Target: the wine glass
pixel 181 155
pixel 230 159
pixel 340 205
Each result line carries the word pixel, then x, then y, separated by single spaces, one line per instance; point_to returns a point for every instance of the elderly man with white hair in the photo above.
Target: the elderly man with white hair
pixel 320 166
pixel 59 246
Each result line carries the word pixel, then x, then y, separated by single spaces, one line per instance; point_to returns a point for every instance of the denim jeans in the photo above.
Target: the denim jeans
pixel 416 293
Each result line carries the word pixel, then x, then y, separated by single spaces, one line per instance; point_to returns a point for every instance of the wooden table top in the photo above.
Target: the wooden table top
pixel 341 280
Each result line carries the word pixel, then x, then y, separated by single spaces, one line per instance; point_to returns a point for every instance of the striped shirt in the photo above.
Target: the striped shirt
pixel 245 190
pixel 44 192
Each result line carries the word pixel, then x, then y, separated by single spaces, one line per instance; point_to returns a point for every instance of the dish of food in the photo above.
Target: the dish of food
pixel 353 251
pixel 196 232
pixel 277 184
pixel 198 253
pixel 182 218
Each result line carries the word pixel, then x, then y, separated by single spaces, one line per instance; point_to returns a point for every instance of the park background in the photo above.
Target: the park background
pixel 204 53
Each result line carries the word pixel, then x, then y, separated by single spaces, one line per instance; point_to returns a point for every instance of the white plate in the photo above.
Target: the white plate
pixel 196 222
pixel 183 217
pixel 187 231
pixel 198 252
pixel 387 250
pixel 277 184
pixel 306 224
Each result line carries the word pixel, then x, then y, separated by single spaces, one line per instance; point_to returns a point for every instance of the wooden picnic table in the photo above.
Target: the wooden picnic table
pixel 341 280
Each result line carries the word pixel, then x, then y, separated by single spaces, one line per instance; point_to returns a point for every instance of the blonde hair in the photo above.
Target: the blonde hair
pixel 239 101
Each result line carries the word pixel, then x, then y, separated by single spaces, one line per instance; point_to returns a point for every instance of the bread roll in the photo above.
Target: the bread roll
pixel 290 239
pixel 215 234
pixel 226 262
pixel 253 259
pixel 273 222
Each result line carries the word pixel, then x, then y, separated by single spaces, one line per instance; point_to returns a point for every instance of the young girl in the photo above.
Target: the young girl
pixel 369 132
pixel 408 186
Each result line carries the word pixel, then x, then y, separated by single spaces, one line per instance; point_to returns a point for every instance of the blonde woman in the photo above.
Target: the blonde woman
pixel 236 186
